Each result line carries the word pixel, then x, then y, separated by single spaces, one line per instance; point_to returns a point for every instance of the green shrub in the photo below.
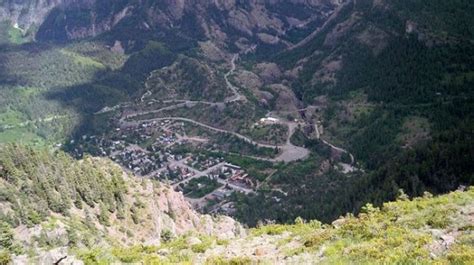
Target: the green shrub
pixel 104 215
pixel 128 255
pixel 206 243
pixel 5 257
pixel 461 254
pixel 166 236
pixel 6 235
pixel 317 239
pixel 231 261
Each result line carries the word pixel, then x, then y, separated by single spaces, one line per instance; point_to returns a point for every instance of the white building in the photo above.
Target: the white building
pixel 268 120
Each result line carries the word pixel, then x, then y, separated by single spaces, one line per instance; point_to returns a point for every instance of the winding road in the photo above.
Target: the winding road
pixel 318 136
pixel 289 152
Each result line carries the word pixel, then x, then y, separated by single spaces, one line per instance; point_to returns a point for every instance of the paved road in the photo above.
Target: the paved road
pixel 182 103
pixel 133 115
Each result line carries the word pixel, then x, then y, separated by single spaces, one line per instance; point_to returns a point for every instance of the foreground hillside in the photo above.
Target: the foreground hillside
pixel 52 205
pixel 54 208
pixel 427 230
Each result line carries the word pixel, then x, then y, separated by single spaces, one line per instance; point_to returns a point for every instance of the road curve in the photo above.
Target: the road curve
pixel 318 135
pixel 289 152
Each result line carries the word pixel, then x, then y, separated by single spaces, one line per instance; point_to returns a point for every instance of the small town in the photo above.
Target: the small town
pixel 155 150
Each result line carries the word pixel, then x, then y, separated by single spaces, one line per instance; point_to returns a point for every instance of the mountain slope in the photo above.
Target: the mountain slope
pixel 391 82
pixel 50 201
pixel 224 22
pixel 395 89
pixel 428 230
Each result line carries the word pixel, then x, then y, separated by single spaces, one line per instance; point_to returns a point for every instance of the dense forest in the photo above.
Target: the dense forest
pixel 36 182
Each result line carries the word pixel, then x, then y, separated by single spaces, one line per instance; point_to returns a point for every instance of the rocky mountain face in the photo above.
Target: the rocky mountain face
pixel 27 13
pixel 221 21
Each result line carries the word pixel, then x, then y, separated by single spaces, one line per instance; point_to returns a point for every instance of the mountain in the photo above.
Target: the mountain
pixel 27 14
pixel 222 21
pixel 314 108
pixel 398 77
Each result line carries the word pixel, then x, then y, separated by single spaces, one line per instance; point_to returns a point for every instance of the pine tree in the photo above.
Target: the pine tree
pixel 6 236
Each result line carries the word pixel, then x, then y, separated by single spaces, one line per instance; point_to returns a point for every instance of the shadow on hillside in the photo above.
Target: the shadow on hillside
pixel 35 99
pixel 109 88
pixel 14 77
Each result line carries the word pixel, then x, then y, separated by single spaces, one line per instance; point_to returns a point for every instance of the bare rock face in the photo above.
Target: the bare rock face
pixel 223 227
pixel 212 52
pixel 249 80
pixel 267 38
pixel 169 211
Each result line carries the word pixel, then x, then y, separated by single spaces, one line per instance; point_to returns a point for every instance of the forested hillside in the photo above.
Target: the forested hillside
pixel 381 88
pixel 398 77
pixel 49 201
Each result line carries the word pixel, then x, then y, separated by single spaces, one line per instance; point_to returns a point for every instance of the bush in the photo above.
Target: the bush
pixel 128 255
pixel 231 261
pixel 6 236
pixel 104 215
pixel 5 258
pixel 166 236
